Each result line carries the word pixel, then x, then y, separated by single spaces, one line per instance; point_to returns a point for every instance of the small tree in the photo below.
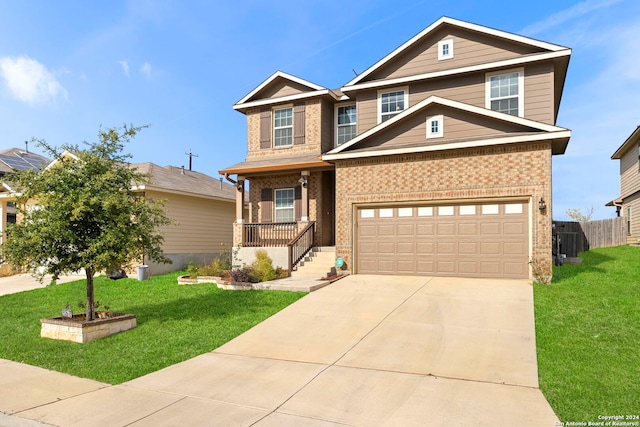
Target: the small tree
pixel 577 215
pixel 81 212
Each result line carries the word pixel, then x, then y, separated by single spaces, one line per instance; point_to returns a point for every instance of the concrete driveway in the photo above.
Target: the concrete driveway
pixel 364 351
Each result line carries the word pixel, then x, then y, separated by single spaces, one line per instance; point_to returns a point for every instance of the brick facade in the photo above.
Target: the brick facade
pixel 499 172
pixel 313 140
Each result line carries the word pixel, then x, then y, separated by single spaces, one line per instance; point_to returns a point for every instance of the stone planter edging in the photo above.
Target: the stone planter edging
pixel 236 286
pixel 59 328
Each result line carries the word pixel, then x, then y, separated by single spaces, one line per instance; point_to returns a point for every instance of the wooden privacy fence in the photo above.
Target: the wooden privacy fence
pixel 576 237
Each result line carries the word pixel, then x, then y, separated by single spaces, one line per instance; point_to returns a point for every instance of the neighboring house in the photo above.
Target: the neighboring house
pixel 436 160
pixel 628 203
pixel 11 160
pixel 201 207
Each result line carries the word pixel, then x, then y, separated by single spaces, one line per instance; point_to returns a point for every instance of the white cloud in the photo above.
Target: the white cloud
pixel 146 69
pixel 29 81
pixel 563 16
pixel 125 67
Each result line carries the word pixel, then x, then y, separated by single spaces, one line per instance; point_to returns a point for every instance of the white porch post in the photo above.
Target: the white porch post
pixel 3 221
pixel 304 180
pixel 240 199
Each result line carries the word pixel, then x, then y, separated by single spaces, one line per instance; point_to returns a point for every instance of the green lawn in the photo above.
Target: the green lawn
pixel 175 323
pixel 588 336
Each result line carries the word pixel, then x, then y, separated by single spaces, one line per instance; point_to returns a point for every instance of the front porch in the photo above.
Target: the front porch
pixel 287 243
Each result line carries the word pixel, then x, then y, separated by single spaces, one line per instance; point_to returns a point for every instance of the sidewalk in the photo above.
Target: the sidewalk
pixel 26 282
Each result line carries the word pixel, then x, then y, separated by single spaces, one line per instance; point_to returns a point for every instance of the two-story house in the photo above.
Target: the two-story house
pixel 436 160
pixel 628 204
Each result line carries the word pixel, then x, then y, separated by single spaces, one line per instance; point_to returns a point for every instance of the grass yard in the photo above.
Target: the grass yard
pixel 588 336
pixel 175 323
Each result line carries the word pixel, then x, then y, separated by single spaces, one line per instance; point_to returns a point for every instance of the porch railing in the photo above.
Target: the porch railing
pixel 269 234
pixel 301 245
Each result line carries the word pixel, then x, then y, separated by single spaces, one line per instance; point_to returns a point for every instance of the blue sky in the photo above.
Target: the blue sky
pixel 69 66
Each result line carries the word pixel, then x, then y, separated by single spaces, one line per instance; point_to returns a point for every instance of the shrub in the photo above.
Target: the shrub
pixel 262 268
pixel 243 274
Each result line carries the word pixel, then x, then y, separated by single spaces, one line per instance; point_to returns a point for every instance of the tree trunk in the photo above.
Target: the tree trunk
pixel 90 298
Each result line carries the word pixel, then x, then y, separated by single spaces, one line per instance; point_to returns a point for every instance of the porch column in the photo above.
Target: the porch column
pixel 304 182
pixel 240 199
pixel 3 221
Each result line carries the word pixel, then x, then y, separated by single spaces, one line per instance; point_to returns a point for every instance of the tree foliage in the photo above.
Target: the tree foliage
pixel 83 213
pixel 577 215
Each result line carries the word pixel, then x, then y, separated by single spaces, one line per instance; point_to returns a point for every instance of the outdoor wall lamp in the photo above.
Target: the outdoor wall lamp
pixel 303 181
pixel 240 185
pixel 542 205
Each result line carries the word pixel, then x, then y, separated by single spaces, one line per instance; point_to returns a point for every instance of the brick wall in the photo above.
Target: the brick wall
pixel 313 141
pixel 489 172
pixel 314 189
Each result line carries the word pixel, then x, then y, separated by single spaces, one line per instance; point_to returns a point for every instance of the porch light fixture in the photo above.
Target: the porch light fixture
pixel 240 185
pixel 542 205
pixel 303 181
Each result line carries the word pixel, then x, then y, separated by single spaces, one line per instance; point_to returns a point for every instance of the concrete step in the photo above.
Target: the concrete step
pixel 319 262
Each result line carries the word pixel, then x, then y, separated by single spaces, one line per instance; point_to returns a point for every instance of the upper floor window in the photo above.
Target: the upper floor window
pixel 346 128
pixel 391 103
pixel 505 92
pixel 445 49
pixel 283 127
pixel 435 127
pixel 284 198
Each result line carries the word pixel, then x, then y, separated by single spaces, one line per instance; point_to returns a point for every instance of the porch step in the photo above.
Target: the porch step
pixel 319 263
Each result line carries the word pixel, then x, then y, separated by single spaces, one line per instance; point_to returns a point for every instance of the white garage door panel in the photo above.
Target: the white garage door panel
pixel 474 240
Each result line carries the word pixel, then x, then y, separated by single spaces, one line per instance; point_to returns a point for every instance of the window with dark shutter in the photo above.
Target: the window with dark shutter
pixel 266 205
pixel 298 124
pixel 265 129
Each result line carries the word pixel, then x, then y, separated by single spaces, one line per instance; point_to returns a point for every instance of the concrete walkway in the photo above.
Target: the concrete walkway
pixel 364 351
pixel 26 282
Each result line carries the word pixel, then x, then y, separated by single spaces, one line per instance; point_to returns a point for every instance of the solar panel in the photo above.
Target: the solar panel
pixel 19 163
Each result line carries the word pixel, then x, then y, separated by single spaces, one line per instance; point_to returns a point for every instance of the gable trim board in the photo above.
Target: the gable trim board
pixel 548 132
pixel 297 97
pixel 628 143
pixel 446 73
pixel 283 75
pixel 462 24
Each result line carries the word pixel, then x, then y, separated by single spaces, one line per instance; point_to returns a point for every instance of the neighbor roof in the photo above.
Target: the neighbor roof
pixel 633 139
pixel 171 179
pixel 16 159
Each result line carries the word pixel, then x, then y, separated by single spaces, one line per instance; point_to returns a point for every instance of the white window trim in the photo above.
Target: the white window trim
pixel 273 125
pixel 440 119
pixel 335 111
pixel 487 86
pixel 441 55
pixel 275 204
pixel 395 89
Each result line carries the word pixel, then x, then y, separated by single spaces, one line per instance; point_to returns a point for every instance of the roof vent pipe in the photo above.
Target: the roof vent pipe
pixel 220 183
pixel 182 172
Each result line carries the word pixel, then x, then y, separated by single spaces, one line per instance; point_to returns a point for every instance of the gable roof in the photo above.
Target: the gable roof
pixel 314 90
pixel 632 140
pixel 545 132
pixel 554 50
pixel 175 180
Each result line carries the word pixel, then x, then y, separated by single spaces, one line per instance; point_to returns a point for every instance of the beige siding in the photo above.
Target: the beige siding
pixel 469 89
pixel 457 126
pixel 634 203
pixel 629 172
pixel 280 88
pixel 470 48
pixel 538 93
pixel 203 226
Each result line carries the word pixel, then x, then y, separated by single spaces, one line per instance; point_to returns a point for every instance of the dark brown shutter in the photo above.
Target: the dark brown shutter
pixel 265 129
pixel 298 124
pixel 266 205
pixel 297 203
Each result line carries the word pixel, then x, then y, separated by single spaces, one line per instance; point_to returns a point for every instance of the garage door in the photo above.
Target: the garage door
pixel 474 240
